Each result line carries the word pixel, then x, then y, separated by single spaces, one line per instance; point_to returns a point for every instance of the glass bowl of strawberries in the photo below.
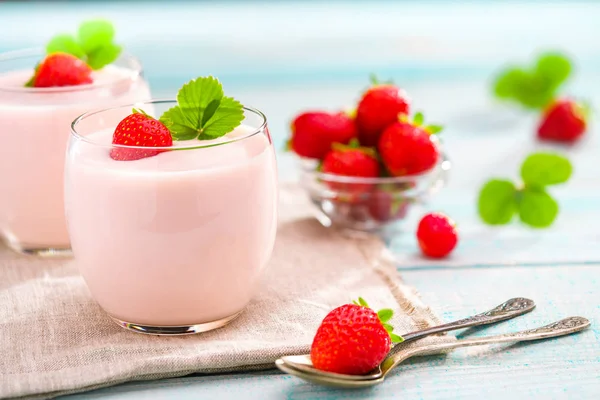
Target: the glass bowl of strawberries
pixel 365 170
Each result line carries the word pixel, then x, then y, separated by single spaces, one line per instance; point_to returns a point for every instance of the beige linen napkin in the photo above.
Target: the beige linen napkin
pixel 54 339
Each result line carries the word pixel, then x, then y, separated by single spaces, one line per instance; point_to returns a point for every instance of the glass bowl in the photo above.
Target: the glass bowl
pixel 368 204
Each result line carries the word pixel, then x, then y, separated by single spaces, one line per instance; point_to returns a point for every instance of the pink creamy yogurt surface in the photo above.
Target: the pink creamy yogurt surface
pixel 176 239
pixel 35 127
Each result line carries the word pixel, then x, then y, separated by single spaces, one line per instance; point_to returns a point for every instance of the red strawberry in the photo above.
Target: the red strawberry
pixel 352 339
pixel 384 207
pixel 61 69
pixel 139 129
pixel 407 149
pixel 379 107
pixel 563 121
pixel 437 235
pixel 353 162
pixel 313 133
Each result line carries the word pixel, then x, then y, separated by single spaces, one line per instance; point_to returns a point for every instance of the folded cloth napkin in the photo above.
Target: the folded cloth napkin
pixel 55 340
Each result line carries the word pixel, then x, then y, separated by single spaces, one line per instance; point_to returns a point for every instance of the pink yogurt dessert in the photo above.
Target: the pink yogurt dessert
pixel 34 124
pixel 173 243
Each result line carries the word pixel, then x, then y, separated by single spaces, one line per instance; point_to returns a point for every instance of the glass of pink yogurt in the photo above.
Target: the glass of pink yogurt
pixel 34 126
pixel 173 243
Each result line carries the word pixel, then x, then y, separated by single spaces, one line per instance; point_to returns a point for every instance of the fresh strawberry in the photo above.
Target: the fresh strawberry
pixel 61 69
pixel 353 162
pixel 352 339
pixel 437 235
pixel 407 148
pixel 139 129
pixel 378 108
pixel 384 207
pixel 564 121
pixel 313 133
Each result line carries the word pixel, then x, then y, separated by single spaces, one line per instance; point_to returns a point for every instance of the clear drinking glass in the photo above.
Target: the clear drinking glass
pixel 173 243
pixel 34 127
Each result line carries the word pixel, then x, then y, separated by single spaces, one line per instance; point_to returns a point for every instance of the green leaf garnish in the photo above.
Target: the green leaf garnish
pixel 497 202
pixel 418 118
pixel 92 44
pixel 362 302
pixel 95 34
pixel 434 129
pixel 103 56
pixel 500 199
pixel 537 208
pixel 385 315
pixel 542 169
pixel 536 86
pixel 202 111
pixel 396 338
pixel 65 43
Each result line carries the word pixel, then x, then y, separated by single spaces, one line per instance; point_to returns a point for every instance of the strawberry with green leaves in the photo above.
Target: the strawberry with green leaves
pixel 407 147
pixel 203 112
pixel 71 59
pixel 564 121
pixel 314 132
pixel 353 339
pixel 379 107
pixel 351 161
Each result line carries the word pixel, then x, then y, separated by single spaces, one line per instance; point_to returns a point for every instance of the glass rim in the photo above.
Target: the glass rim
pixel 75 134
pixel 31 52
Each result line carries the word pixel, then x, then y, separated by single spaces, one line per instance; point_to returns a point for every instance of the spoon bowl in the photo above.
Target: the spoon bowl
pixel 509 309
pixel 563 327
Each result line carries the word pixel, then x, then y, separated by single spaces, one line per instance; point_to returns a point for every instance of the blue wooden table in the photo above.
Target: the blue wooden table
pixel 283 57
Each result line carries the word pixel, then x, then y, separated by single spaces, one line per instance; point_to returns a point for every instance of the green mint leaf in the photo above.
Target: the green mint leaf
pixel 418 118
pixel 175 122
pixel 396 339
pixel 202 111
pixel 362 302
pixel 388 327
pixel 555 68
pixel 29 83
pixel 103 56
pixel 65 43
pixel 385 315
pixel 497 202
pixel 373 79
pixel 542 169
pixel 506 83
pixel 537 208
pixel 228 115
pixel 95 34
pixel 434 129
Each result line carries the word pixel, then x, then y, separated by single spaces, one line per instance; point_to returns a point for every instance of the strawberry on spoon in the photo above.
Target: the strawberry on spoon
pixel 353 339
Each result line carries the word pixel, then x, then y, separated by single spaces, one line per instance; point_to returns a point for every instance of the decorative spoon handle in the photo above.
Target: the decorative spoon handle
pixel 563 327
pixel 507 310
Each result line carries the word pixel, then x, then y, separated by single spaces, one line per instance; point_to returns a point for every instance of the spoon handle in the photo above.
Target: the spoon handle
pixel 565 326
pixel 507 310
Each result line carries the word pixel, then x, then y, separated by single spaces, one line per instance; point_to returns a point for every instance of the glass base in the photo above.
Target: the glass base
pixel 39 251
pixel 176 330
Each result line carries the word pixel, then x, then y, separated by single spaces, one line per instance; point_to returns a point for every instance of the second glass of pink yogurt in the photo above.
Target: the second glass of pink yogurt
pixel 34 127
pixel 173 243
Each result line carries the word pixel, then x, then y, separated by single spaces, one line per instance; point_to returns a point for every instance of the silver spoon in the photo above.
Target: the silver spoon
pixel 507 310
pixel 563 327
